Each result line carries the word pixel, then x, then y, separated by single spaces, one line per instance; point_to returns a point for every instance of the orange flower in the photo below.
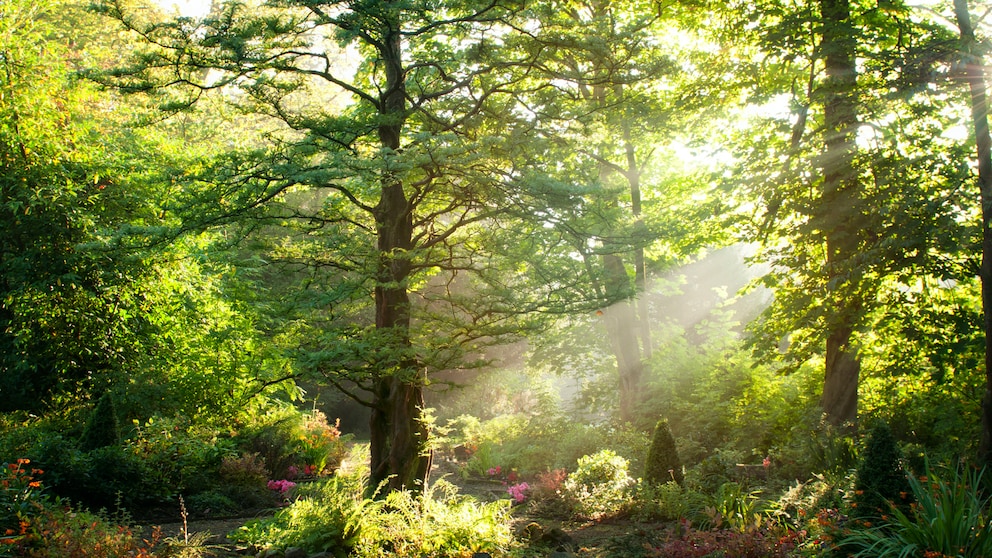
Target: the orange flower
pixel 23 461
pixel 35 484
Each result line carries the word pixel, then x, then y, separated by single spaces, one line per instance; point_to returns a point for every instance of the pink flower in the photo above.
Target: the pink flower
pixel 518 492
pixel 281 486
pixel 493 471
pixel 766 462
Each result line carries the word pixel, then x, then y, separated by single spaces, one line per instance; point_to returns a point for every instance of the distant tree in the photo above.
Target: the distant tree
pixel 103 427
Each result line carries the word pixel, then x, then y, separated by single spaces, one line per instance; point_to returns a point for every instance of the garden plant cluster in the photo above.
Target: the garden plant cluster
pixel 515 485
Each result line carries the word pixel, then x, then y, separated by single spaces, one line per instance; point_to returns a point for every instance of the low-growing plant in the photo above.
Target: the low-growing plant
pixel 327 516
pixel 760 542
pixel 321 447
pixel 59 532
pixel 186 544
pixel 667 502
pixel 948 518
pixel 600 485
pixel 21 498
pixel 736 508
pixel 333 516
pixel 440 523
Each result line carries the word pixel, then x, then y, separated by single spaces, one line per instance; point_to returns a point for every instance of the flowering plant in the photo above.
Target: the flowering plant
pixel 518 492
pixel 282 487
pixel 20 495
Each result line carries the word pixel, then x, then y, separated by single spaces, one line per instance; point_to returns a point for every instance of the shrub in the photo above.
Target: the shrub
pixel 667 502
pixel 764 542
pixel 948 518
pixel 59 532
pixel 663 464
pixel 326 517
pixel 103 428
pixel 333 516
pixel 600 484
pixel 21 498
pixel 880 479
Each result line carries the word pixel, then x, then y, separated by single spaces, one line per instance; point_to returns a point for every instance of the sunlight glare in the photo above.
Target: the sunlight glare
pixel 187 8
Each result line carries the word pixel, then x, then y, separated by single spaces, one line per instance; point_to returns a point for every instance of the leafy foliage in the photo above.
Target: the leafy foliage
pixel 103 427
pixel 334 516
pixel 663 463
pixel 880 480
pixel 948 517
pixel 600 484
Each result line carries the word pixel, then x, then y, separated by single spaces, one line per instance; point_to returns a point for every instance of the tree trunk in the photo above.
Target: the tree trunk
pixel 399 459
pixel 839 209
pixel 979 115
pixel 633 175
pixel 621 321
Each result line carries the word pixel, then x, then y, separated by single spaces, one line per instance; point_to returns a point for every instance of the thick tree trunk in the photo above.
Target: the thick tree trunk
pixel 621 323
pixel 398 441
pixel 839 209
pixel 979 115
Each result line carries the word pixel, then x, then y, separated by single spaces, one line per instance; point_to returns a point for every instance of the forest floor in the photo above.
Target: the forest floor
pixel 585 539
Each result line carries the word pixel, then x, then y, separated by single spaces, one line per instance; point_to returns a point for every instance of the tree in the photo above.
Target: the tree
pixel 619 103
pixel 975 77
pixel 856 214
pixel 839 212
pixel 415 192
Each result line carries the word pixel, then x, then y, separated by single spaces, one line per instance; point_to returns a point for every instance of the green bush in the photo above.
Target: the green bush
pixel 103 427
pixel 327 516
pixel 600 485
pixel 663 464
pixel 667 502
pixel 949 518
pixel 333 516
pixel 880 479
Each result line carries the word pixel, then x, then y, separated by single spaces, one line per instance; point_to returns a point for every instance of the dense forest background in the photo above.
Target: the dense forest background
pixel 508 234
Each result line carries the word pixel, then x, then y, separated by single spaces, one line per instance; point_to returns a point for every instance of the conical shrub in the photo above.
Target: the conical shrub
pixel 663 463
pixel 102 429
pixel 880 478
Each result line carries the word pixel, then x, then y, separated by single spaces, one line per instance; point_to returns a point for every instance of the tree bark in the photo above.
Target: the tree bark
pixel 621 320
pixel 398 439
pixel 983 142
pixel 839 207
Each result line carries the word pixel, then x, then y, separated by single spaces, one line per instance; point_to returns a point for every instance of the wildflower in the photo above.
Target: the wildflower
pixel 766 462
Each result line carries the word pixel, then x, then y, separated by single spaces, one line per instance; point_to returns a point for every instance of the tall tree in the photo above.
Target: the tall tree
pixel 974 75
pixel 401 193
pixel 838 214
pixel 854 213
